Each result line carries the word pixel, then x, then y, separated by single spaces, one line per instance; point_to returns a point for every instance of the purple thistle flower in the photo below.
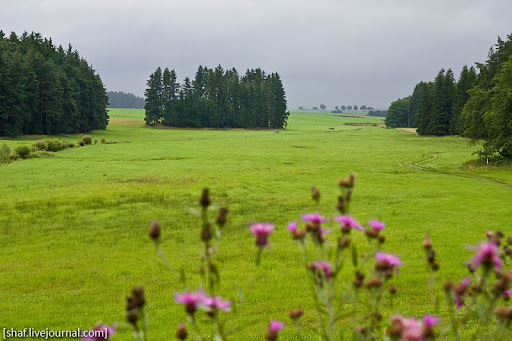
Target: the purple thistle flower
pixel 392 260
pixel 261 231
pixel 323 268
pixel 507 293
pixel 276 326
pixel 191 300
pixel 488 255
pixel 100 332
pixel 217 303
pixel 430 321
pixel 377 225
pixel 314 218
pixel 292 227
pixel 348 221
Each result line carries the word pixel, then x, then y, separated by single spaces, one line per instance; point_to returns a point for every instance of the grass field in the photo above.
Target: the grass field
pixel 74 227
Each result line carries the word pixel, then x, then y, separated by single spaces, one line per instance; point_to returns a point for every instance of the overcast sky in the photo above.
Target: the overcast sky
pixel 333 52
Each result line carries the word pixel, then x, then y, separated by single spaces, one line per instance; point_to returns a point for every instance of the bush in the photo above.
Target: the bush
pixel 87 139
pixel 103 141
pixel 40 145
pixel 81 143
pixel 5 153
pixel 54 145
pixel 95 141
pixel 22 151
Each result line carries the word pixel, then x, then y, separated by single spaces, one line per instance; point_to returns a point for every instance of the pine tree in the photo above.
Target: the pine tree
pixel 467 80
pixel 424 108
pixel 153 96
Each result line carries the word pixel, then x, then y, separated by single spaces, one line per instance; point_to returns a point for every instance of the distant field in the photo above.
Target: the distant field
pixel 73 228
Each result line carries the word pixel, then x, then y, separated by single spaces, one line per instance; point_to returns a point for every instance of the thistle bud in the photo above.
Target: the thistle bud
pixel 392 289
pixel 154 231
pixel 221 217
pixel 181 332
pixel 138 297
pixel 296 313
pixel 427 243
pixel 205 198
pixel 315 194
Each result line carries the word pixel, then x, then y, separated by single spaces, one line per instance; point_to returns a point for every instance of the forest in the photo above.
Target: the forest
pixel 47 90
pixel 216 99
pixel 478 105
pixel 120 99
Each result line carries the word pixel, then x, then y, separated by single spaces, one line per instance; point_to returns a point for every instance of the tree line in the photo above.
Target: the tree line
pixel 47 90
pixel 216 99
pixel 119 99
pixel 477 105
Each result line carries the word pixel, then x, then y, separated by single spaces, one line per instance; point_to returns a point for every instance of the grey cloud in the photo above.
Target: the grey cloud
pixel 334 52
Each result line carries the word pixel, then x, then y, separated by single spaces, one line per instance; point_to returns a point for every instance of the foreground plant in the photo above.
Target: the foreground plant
pixel 353 309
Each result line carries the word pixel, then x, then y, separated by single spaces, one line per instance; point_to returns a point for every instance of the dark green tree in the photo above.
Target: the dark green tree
pixel 153 96
pixel 398 113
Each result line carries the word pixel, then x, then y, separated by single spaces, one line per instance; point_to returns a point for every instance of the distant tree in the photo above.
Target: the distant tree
pixel 498 119
pixel 442 103
pixel 337 109
pixel 378 113
pixel 119 99
pixel 467 80
pixel 370 108
pixel 349 107
pixel 398 113
pixel 343 107
pixel 424 108
pixel 315 108
pixel 322 107
pixel 415 100
pixel 301 108
pixel 153 96
pixel 363 107
pixel 356 107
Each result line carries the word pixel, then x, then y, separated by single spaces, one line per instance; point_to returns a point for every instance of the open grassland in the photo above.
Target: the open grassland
pixel 74 227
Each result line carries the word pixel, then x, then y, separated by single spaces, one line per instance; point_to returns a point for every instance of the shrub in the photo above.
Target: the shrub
pixel 40 145
pixel 5 153
pixel 87 139
pixel 81 143
pixel 103 141
pixel 22 151
pixel 54 145
pixel 95 141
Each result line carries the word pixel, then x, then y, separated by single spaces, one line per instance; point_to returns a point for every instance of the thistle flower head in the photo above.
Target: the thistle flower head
pixel 261 231
pixel 487 255
pixel 315 218
pixel 214 303
pixel 191 300
pixel 348 222
pixel 377 225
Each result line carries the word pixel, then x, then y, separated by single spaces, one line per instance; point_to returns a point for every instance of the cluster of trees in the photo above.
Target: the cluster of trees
pixel 124 100
pixel 341 108
pixel 217 99
pixel 478 105
pixel 378 113
pixel 47 90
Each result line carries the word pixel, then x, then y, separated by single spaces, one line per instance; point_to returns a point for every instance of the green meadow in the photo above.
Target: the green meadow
pixel 74 227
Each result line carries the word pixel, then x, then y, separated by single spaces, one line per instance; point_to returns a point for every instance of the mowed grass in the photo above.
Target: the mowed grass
pixel 74 227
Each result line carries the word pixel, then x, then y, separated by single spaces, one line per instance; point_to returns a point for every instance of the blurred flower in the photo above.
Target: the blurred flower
pixel 348 222
pixel 217 303
pixel 488 255
pixel 387 260
pixel 273 330
pixel 261 231
pixel 191 300
pixel 292 227
pixel 377 225
pixel 430 320
pixel 323 269
pixel 314 218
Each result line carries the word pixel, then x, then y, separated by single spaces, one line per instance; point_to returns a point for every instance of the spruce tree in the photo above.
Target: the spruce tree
pixel 153 96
